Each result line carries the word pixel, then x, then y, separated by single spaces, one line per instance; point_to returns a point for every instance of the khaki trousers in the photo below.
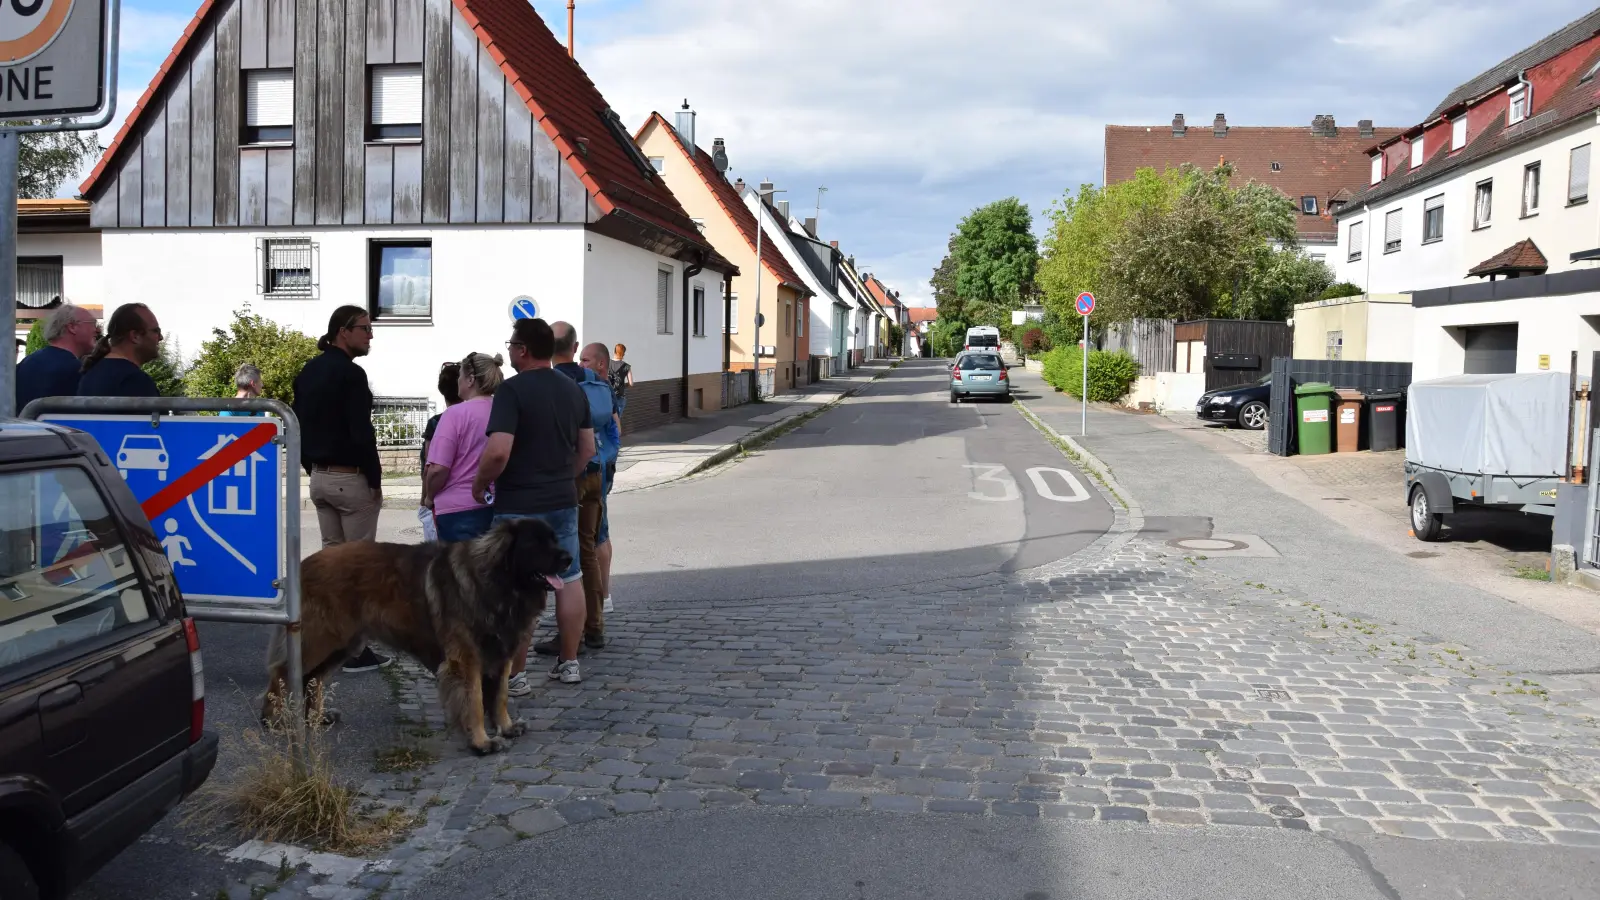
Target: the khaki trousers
pixel 346 509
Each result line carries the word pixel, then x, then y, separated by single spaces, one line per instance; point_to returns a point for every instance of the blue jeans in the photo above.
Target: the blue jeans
pixel 463 525
pixel 622 404
pixel 564 522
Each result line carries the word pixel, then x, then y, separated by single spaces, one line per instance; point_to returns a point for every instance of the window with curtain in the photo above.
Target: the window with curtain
pixel 1578 175
pixel 268 106
pixel 400 280
pixel 1483 204
pixel 1432 219
pixel 38 280
pixel 1530 189
pixel 396 103
pixel 286 268
pixel 1391 231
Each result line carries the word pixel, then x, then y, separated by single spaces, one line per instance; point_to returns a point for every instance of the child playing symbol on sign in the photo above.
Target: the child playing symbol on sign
pixel 175 543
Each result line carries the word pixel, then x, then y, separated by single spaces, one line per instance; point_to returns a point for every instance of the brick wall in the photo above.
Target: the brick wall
pixel 644 404
pixel 709 384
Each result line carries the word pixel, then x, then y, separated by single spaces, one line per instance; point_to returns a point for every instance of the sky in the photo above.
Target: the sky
pixel 915 112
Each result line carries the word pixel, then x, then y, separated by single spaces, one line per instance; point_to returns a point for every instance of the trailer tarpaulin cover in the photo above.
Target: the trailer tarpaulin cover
pixel 1490 424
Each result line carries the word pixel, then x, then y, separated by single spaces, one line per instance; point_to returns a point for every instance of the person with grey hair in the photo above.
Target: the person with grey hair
pixel 247 385
pixel 53 370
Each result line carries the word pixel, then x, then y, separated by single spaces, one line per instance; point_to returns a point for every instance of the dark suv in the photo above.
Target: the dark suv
pixel 102 695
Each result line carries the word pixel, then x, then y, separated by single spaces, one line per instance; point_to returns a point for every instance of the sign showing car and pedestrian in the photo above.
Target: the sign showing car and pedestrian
pixel 210 487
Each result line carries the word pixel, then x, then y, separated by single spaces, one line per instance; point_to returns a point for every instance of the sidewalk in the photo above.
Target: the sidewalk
pixel 659 455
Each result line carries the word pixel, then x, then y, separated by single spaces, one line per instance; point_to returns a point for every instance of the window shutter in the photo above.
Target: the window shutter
pixel 1358 237
pixel 1416 152
pixel 1391 228
pixel 1377 168
pixel 396 95
pixel 269 97
pixel 1578 180
pixel 732 325
pixel 1458 133
pixel 1433 202
pixel 663 302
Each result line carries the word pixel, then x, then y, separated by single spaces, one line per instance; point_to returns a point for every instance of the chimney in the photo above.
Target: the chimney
pixel 1178 128
pixel 719 155
pixel 1219 126
pixel 765 190
pixel 783 210
pixel 1366 127
pixel 811 225
pixel 571 6
pixel 1324 126
pixel 685 126
pixel 833 244
pixel 739 186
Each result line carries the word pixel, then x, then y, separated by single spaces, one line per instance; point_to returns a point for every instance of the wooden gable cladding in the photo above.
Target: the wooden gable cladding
pixel 481 159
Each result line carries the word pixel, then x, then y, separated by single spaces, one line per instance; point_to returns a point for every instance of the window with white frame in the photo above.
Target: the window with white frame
pixel 1417 144
pixel 1578 175
pixel 1483 204
pixel 395 103
pixel 285 268
pixel 400 279
pixel 1530 189
pixel 659 163
pixel 663 301
pixel 732 325
pixel 1433 219
pixel 1458 133
pixel 1358 237
pixel 1391 231
pixel 1377 167
pixel 1335 345
pixel 1520 97
pixel 800 319
pixel 268 106
pixel 698 313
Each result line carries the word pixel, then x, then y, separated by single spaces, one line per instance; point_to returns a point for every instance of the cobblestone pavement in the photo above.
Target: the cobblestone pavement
pixel 1141 688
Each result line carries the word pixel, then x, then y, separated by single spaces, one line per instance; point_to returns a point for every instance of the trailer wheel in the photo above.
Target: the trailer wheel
pixel 1425 523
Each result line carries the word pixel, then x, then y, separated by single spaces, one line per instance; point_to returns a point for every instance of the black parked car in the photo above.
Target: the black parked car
pixel 1244 405
pixel 102 692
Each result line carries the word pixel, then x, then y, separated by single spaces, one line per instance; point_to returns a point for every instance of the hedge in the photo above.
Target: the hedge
pixel 1111 375
pixel 279 352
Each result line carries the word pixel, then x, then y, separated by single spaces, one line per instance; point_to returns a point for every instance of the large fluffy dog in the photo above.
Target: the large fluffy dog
pixel 459 609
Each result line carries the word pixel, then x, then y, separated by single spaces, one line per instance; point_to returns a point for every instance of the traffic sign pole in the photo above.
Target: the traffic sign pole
pixel 1085 306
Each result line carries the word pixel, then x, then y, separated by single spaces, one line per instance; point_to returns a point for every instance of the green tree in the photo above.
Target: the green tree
pixel 166 370
pixel 996 258
pixel 945 297
pixel 279 352
pixel 1277 280
pixel 1082 228
pixel 45 159
pixel 1341 289
pixel 36 339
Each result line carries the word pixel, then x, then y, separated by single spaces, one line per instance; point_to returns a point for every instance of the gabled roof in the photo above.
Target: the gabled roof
pixel 1571 99
pixel 921 314
pixel 1550 45
pixel 557 92
pixel 1523 256
pixel 881 293
pixel 732 204
pixel 1309 164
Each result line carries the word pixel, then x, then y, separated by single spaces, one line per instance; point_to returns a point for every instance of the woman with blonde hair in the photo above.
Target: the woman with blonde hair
pixel 453 454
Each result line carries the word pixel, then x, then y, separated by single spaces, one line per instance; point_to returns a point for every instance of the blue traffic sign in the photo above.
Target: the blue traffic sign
pixel 211 486
pixel 1085 303
pixel 524 308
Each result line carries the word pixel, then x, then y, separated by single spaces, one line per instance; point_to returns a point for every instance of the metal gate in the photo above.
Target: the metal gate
pixel 1591 527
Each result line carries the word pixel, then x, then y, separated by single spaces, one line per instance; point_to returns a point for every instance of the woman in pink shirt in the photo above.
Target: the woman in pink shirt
pixel 454 451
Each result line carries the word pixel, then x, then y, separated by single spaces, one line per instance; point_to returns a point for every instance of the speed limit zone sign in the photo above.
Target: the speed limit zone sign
pixel 52 57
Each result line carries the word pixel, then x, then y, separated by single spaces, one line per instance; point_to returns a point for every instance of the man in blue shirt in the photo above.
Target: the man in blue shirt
pixel 133 338
pixel 52 371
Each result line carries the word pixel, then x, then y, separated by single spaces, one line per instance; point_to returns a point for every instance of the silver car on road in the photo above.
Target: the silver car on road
pixel 979 375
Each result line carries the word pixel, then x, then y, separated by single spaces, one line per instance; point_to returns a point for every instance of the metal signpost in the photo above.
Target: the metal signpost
pixel 58 58
pixel 222 494
pixel 523 307
pixel 1085 306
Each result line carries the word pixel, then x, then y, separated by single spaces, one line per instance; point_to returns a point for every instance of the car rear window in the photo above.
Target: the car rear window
pixel 980 361
pixel 65 575
pixel 983 340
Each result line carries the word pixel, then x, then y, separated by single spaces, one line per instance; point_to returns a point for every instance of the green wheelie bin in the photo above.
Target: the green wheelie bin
pixel 1313 412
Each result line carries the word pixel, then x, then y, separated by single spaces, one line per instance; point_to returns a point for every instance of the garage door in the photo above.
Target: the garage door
pixel 1491 350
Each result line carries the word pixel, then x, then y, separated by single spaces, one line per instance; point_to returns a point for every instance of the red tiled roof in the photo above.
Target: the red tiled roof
pixel 1523 256
pixel 1309 164
pixel 880 293
pixel 922 314
pixel 732 205
pixel 558 93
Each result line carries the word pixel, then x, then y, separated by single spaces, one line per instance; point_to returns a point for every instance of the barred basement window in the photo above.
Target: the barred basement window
pixel 286 268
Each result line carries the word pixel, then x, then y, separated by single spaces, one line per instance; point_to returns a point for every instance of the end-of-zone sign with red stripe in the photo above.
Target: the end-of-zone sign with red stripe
pixel 211 487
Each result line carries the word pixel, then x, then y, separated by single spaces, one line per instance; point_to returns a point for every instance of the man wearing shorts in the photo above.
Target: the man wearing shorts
pixel 539 442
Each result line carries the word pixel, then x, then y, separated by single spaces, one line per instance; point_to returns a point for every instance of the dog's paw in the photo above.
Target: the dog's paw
pixel 517 728
pixel 492 745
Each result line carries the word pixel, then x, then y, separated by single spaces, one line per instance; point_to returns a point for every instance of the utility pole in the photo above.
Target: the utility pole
pixel 763 191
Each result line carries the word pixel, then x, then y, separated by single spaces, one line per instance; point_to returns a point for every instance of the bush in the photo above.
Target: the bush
pixel 36 339
pixel 167 370
pixel 279 352
pixel 1341 289
pixel 1110 374
pixel 947 338
pixel 1035 341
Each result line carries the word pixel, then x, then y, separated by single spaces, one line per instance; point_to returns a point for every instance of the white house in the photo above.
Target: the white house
pixel 865 318
pixel 819 264
pixel 58 260
pixel 1481 213
pixel 429 160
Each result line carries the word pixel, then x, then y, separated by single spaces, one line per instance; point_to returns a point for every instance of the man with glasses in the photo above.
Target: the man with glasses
pixel 338 445
pixel 540 441
pixel 52 370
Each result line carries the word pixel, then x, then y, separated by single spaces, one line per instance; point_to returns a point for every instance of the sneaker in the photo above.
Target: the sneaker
pixel 518 685
pixel 594 641
pixel 566 671
pixel 367 661
pixel 606 606
pixel 551 647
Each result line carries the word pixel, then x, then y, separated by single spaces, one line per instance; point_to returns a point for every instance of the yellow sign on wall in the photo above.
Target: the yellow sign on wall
pixel 1544 361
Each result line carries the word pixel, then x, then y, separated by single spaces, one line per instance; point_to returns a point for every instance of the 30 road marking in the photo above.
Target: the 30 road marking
pixel 994 475
pixel 1078 494
pixel 989 474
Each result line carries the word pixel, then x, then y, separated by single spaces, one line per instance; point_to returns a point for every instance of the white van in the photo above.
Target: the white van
pixel 983 337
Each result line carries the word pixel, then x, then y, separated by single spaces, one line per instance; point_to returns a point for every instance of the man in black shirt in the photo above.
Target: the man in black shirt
pixel 539 442
pixel 338 445
pixel 52 371
pixel 133 338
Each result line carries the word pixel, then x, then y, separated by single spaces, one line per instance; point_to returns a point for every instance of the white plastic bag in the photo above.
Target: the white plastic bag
pixel 429 531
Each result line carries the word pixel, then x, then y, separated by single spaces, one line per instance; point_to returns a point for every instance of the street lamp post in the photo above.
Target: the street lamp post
pixel 763 191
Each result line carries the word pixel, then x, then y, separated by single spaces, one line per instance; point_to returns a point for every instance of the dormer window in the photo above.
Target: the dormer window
pixel 1416 152
pixel 1308 205
pixel 1520 97
pixel 1458 133
pixel 1377 167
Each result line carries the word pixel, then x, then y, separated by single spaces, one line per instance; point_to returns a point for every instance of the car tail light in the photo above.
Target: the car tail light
pixel 956 374
pixel 1002 374
pixel 197 682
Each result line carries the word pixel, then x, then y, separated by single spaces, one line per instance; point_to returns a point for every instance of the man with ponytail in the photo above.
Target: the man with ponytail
pixel 133 338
